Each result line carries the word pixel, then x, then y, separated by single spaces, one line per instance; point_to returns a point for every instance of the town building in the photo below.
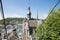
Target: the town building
pixel 2 31
pixel 11 32
pixel 25 31
pixel 20 31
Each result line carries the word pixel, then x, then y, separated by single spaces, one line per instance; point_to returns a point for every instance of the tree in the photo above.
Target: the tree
pixel 50 29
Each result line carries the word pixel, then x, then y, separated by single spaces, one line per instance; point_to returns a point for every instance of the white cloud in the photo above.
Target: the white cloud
pixel 13 15
pixel 42 15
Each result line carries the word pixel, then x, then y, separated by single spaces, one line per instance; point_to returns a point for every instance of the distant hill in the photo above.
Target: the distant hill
pixel 12 20
pixel 15 20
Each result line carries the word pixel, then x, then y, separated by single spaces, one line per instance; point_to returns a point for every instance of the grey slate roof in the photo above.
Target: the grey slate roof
pixel 32 23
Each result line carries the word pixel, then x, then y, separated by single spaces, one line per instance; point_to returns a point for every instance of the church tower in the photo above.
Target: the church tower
pixel 29 14
pixel 37 14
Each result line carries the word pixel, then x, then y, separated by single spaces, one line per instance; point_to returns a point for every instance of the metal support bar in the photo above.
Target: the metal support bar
pixel 3 19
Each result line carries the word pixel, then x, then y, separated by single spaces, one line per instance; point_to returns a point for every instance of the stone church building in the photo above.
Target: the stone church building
pixel 29 26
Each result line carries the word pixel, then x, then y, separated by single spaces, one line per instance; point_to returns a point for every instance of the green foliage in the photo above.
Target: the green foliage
pixel 50 29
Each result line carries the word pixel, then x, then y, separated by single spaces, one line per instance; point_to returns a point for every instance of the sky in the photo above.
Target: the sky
pixel 19 8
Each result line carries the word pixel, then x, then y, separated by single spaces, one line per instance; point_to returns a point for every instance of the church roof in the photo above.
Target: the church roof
pixel 32 23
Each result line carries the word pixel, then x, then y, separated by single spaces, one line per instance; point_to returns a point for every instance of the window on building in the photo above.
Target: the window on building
pixel 31 30
pixel 0 34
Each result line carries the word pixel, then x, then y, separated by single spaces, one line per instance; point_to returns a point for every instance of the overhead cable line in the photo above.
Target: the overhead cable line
pixel 53 8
